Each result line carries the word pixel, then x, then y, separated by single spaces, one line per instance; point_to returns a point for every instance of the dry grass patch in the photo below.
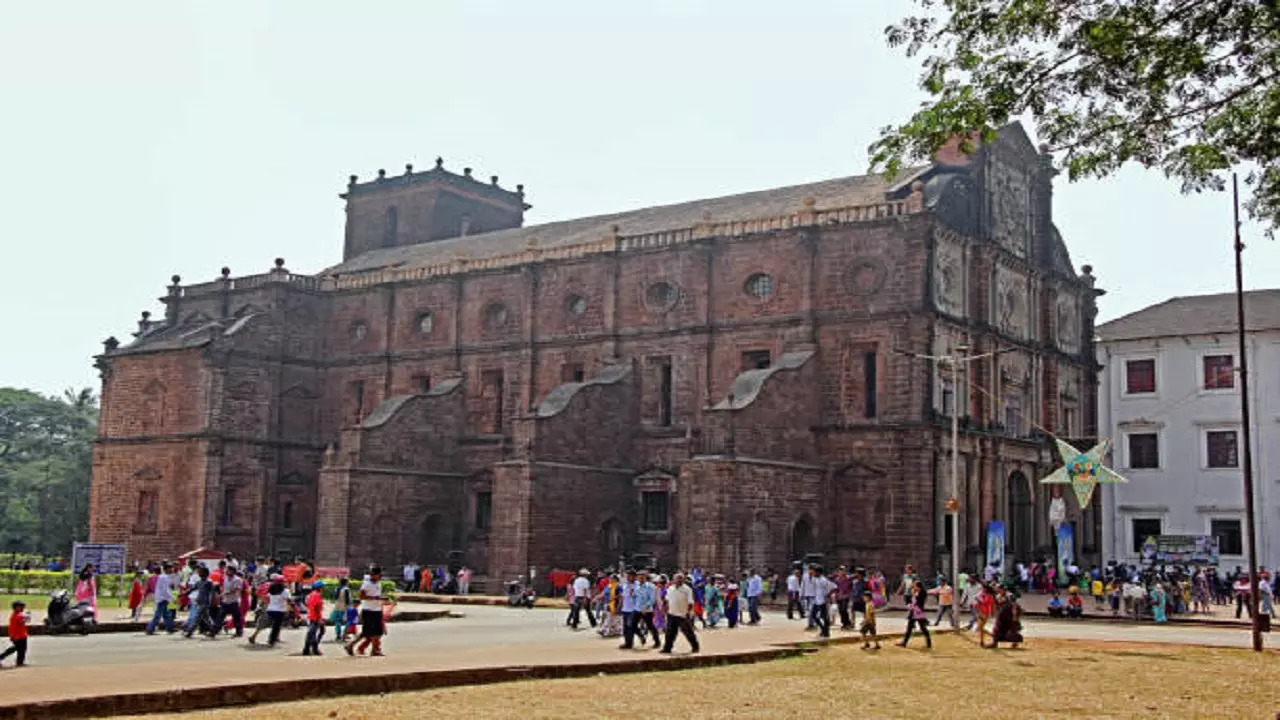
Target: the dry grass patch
pixel 1051 678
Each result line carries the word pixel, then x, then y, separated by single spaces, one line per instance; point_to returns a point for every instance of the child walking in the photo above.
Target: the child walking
pixel 868 628
pixel 18 620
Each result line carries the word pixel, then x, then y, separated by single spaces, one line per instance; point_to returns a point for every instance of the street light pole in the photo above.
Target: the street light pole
pixel 1247 427
pixel 953 503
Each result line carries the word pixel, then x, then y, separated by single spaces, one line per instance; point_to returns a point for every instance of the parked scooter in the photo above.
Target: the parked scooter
pixel 62 616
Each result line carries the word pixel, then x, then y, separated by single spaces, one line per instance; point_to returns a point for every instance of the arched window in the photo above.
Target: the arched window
pixel 391 228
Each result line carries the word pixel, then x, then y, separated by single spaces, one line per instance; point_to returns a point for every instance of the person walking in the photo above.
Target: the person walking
pixel 844 596
pixel 819 614
pixel 18 633
pixel 627 589
pixel 338 616
pixel 371 620
pixel 946 598
pixel 201 595
pixel 315 619
pixel 581 600
pixel 916 617
pixel 679 611
pixel 793 594
pixel 232 591
pixel 164 600
pixel 646 605
pixel 755 588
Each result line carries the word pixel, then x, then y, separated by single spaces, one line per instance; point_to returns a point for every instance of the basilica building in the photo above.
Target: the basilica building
pixel 728 382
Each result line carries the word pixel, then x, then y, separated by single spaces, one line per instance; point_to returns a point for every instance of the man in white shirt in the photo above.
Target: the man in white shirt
pixel 627 588
pixel 679 608
pixel 232 588
pixel 793 594
pixel 165 585
pixel 755 588
pixel 581 599
pixel 822 589
pixel 808 591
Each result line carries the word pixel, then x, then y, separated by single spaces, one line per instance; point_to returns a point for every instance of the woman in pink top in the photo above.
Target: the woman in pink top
pixel 87 590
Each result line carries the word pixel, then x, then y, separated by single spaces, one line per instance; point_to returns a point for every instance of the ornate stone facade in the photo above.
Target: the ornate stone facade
pixel 731 381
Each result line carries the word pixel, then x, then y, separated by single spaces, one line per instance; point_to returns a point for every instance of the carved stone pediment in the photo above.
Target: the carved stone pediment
pixel 949 275
pixel 1011 302
pixel 1009 190
pixel 1067 322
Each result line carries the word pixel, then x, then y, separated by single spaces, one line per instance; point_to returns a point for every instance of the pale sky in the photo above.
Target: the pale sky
pixel 143 139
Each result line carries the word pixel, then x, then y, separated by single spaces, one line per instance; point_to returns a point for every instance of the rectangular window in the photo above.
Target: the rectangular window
pixel 1219 372
pixel 421 384
pixel 286 515
pixel 948 397
pixel 494 389
pixel 654 507
pixel 356 392
pixel 146 517
pixel 572 373
pixel 484 510
pixel 1144 528
pixel 1068 421
pixel 948 521
pixel 869 368
pixel 228 507
pixel 756 360
pixel 1144 451
pixel 1139 376
pixel 1230 539
pixel 1220 448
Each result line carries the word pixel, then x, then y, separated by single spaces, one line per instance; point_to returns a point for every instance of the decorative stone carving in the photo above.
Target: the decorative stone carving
pixel 866 277
pixel 1010 192
pixel 1067 322
pixel 1011 303
pixel 948 277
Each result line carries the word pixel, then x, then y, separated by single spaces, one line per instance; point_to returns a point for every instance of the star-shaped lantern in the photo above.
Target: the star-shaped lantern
pixel 1083 471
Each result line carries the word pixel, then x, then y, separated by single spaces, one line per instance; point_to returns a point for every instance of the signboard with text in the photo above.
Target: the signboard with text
pixel 105 558
pixel 1181 549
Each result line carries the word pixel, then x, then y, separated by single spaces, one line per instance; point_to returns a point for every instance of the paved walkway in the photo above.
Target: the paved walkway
pixel 487 638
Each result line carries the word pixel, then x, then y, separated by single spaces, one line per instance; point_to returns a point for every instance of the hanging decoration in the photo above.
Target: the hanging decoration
pixel 1083 470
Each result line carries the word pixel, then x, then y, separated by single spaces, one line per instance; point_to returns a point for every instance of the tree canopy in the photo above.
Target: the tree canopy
pixel 46 454
pixel 1191 87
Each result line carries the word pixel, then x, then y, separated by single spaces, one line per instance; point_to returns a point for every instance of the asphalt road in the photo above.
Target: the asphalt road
pixel 498 628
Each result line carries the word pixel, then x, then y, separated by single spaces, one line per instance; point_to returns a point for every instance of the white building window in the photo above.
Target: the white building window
pixel 1142 450
pixel 1230 537
pixel 1221 449
pixel 1141 528
pixel 1218 372
pixel 1140 376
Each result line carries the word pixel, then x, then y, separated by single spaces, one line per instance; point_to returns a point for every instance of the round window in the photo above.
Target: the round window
pixel 577 305
pixel 495 316
pixel 358 331
pixel 759 286
pixel 425 323
pixel 661 295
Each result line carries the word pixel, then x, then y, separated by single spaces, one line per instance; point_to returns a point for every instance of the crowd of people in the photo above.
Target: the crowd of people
pixel 642 606
pixel 260 595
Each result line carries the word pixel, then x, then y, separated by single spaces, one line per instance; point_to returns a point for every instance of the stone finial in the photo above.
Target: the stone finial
pixel 279 262
pixel 146 315
pixel 330 455
pixel 917 186
pixel 408 168
pixel 352 180
pixel 176 279
pixel 382 174
pixel 520 189
pixel 110 344
pixel 439 163
pixel 493 180
pixel 226 273
pixel 1087 269
pixel 809 202
pixel 1045 148
pixel 466 172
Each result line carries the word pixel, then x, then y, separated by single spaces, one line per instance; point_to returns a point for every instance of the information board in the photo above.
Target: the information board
pixel 104 557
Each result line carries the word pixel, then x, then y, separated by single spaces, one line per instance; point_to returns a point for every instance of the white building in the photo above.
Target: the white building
pixel 1169 397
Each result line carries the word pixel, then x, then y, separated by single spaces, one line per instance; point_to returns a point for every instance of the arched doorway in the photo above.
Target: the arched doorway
pixel 1019 542
pixel 431 540
pixel 611 542
pixel 801 538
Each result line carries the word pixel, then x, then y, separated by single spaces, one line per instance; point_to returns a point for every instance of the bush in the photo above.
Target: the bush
pixel 41 582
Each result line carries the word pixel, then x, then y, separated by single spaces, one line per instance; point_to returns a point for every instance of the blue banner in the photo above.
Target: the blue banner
pixel 995 544
pixel 1066 548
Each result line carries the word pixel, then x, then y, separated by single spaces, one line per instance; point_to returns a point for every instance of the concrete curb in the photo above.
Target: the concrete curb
pixel 118 626
pixel 187 699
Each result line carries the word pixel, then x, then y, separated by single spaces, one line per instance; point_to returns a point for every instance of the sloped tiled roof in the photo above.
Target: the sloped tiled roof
pixel 828 194
pixel 1196 315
